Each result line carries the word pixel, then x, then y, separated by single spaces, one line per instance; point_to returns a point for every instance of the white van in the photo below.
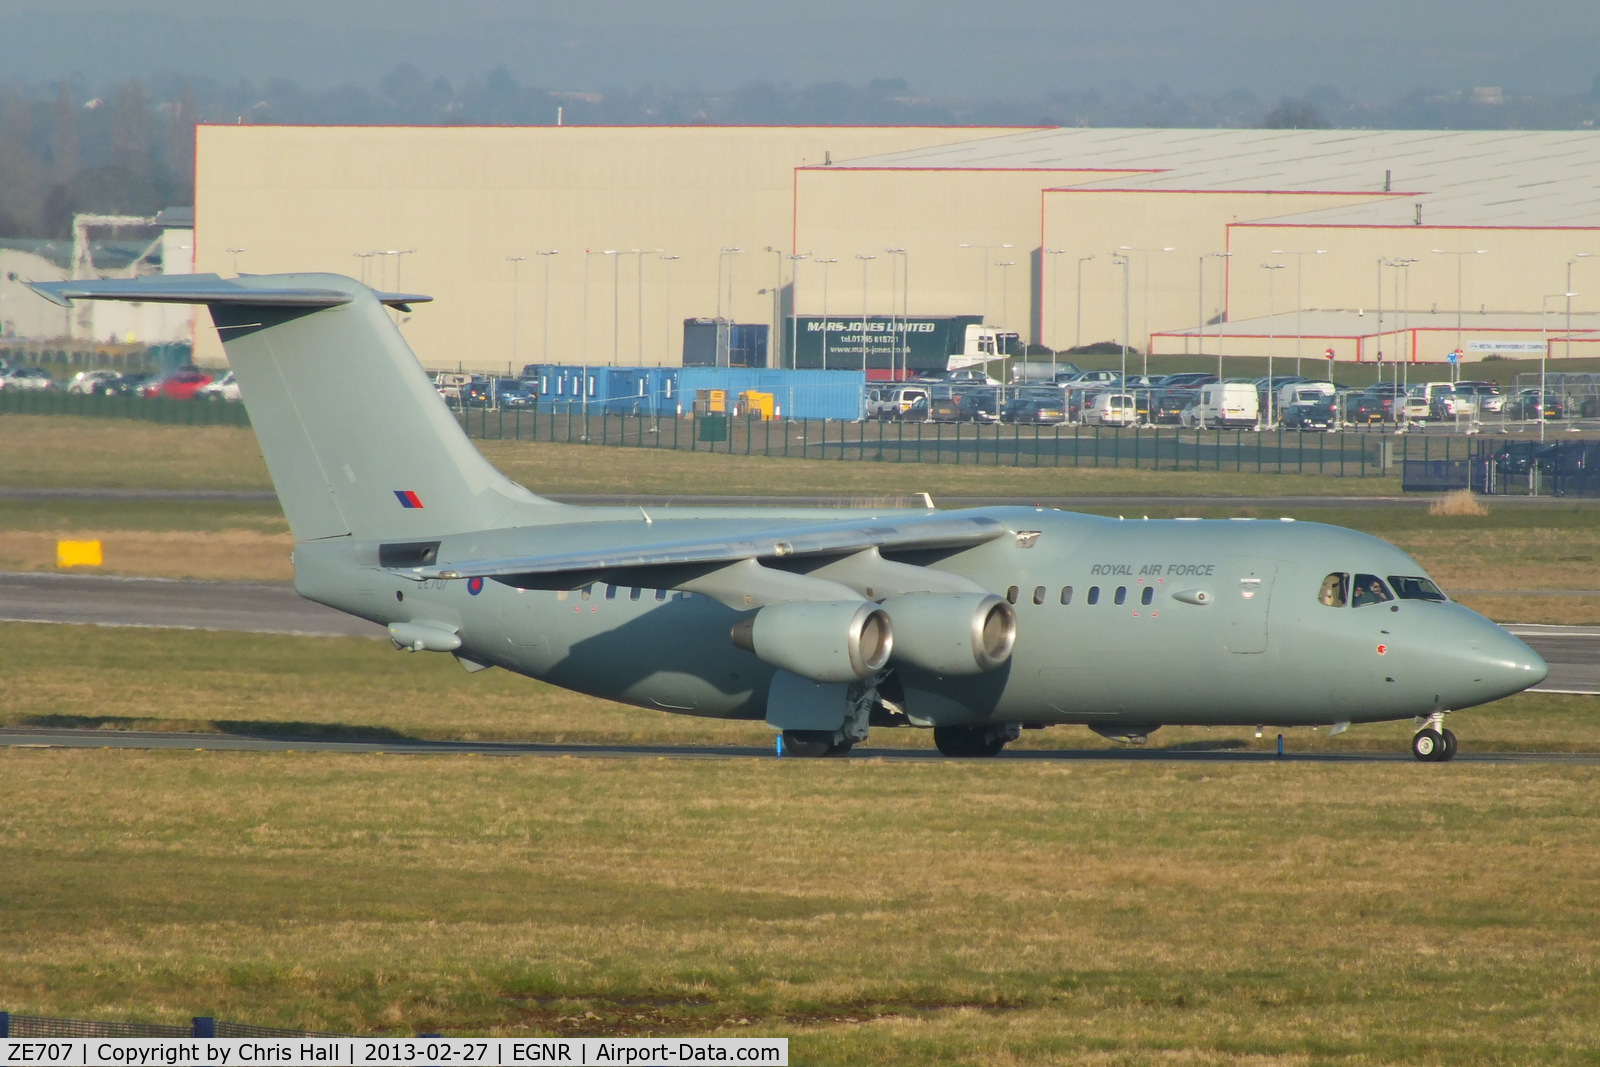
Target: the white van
pixel 1111 409
pixel 1310 392
pixel 1426 400
pixel 1224 404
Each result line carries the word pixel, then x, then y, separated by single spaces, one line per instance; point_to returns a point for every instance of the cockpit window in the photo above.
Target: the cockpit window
pixel 1369 589
pixel 1335 590
pixel 1415 588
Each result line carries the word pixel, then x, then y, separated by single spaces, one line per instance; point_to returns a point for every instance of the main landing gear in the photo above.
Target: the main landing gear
pixel 809 744
pixel 1433 743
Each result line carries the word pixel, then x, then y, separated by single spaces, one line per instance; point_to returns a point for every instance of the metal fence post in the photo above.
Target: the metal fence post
pixel 203 1026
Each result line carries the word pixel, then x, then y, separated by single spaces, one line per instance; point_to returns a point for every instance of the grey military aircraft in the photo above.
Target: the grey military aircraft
pixel 976 623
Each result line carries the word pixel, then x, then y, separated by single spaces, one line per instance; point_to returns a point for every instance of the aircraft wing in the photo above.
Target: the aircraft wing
pixel 820 539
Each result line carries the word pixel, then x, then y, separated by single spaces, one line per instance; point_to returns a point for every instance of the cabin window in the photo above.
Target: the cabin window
pixel 583 594
pixel 1369 589
pixel 611 592
pixel 1038 594
pixel 1415 589
pixel 1066 594
pixel 561 594
pixel 633 594
pixel 1094 595
pixel 1011 595
pixel 1122 594
pixel 1148 597
pixel 1335 592
pixel 661 594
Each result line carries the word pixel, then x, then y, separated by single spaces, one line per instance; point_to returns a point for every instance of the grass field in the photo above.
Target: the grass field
pixel 998 913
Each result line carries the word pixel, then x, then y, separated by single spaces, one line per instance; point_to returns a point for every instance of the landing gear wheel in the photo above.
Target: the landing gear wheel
pixel 968 742
pixel 1449 745
pixel 840 748
pixel 806 744
pixel 1428 745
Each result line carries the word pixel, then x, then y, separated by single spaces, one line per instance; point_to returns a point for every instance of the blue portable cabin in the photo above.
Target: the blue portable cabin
pixel 796 394
pixel 617 390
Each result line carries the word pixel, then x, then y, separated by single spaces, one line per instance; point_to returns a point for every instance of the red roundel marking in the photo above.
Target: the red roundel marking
pixel 474 586
pixel 1382 649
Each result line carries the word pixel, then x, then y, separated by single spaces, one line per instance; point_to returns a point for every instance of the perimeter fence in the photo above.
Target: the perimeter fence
pixel 1345 454
pixel 163 409
pixel 39 1026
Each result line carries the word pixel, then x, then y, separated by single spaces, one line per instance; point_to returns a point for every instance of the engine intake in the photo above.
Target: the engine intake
pixel 823 640
pixel 952 633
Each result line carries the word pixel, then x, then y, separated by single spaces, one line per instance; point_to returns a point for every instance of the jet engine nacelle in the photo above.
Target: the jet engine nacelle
pixel 952 633
pixel 823 640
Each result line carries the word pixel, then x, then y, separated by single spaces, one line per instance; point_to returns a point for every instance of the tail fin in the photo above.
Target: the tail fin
pixel 358 441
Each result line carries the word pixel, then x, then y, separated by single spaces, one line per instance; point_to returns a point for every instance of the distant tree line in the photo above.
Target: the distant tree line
pixel 68 147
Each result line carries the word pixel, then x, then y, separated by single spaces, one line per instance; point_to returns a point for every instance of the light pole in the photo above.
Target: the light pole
pixel 364 257
pixel 1544 308
pixel 666 352
pixel 1147 251
pixel 1005 266
pixel 399 255
pixel 638 302
pixel 1116 258
pixel 1567 349
pixel 826 263
pixel 584 343
pixel 235 253
pixel 776 342
pixel 616 300
pixel 794 309
pixel 986 250
pixel 1272 273
pixel 516 262
pixel 1055 255
pixel 544 352
pixel 1222 307
pixel 725 327
pixel 1459 257
pixel 865 260
pixel 1299 301
pixel 902 336
pixel 1077 334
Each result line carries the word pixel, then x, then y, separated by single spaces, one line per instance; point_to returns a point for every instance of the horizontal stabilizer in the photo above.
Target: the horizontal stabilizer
pixel 203 289
pixel 903 534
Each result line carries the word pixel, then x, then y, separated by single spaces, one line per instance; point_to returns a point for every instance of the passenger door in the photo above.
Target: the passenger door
pixel 1246 600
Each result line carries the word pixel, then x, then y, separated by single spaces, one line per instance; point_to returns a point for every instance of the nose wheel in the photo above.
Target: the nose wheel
pixel 1434 745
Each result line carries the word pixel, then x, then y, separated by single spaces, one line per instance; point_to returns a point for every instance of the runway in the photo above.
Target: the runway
pixel 130 739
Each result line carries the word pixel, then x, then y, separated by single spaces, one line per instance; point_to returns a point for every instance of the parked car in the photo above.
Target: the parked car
pixel 32 379
pixel 516 392
pixel 1112 409
pixel 898 401
pixel 1034 410
pixel 1166 405
pixel 1363 409
pixel 223 388
pixel 1321 413
pixel 1486 395
pixel 1526 405
pixel 127 384
pixel 89 382
pixel 978 405
pixel 181 384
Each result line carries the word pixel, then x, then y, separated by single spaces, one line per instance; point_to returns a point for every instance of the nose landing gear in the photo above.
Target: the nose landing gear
pixel 1433 743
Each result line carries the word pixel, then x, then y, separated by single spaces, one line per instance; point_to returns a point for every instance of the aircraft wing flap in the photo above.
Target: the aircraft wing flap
pixel 772 544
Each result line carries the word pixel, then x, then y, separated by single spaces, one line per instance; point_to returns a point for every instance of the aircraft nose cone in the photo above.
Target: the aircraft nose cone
pixel 1503 663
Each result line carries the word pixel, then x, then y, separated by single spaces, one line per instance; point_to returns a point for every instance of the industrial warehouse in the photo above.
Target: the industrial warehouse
pixel 585 245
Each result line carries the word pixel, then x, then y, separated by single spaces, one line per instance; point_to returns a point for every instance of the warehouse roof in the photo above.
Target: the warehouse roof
pixel 1460 178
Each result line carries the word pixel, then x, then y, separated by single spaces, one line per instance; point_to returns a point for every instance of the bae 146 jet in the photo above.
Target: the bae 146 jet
pixel 976 623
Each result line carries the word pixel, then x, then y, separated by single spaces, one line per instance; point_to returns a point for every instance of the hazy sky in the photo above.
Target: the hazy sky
pixel 1001 48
